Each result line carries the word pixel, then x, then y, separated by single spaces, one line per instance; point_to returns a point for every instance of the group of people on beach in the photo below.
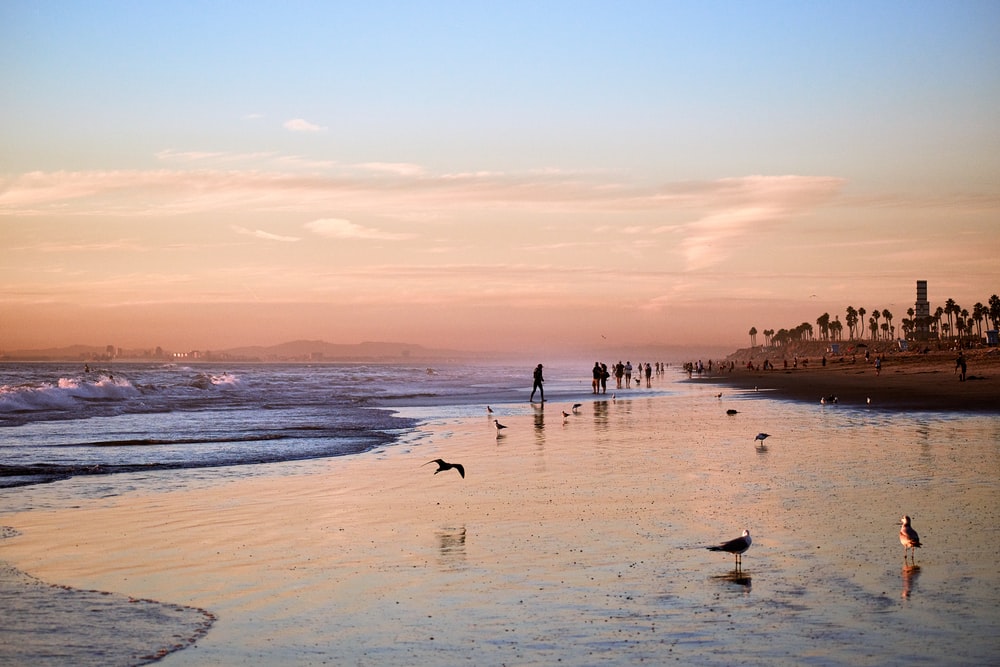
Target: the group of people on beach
pixel 623 373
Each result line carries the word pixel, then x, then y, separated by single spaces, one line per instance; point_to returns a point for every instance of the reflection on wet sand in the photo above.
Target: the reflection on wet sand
pixel 738 577
pixel 451 547
pixel 910 575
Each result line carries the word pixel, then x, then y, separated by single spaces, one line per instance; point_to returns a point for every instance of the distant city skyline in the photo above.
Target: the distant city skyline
pixel 517 177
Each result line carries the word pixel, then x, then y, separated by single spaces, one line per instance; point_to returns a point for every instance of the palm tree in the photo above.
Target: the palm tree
pixel 861 322
pixel 823 322
pixel 753 336
pixel 994 311
pixel 978 313
pixel 873 326
pixel 837 328
pixel 875 314
pixel 949 308
pixel 888 318
pixel 938 314
pixel 852 320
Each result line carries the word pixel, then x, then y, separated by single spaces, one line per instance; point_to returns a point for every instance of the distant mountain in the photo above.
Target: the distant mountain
pixel 299 350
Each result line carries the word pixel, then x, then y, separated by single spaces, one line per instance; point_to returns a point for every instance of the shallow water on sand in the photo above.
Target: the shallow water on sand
pixel 581 540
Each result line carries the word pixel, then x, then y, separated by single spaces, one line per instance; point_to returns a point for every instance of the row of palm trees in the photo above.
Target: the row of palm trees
pixel 960 324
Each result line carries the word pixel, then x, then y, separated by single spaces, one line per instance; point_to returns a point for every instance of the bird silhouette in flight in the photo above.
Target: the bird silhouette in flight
pixel 444 465
pixel 736 546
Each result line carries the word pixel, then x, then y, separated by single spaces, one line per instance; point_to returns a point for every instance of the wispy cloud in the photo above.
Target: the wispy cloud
pixel 745 206
pixel 339 228
pixel 301 125
pixel 267 236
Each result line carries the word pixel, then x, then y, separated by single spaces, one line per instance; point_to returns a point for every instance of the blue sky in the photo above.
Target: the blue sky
pixel 134 125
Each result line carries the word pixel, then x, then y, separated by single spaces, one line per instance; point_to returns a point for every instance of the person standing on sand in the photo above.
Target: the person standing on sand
pixel 597 373
pixel 628 373
pixel 604 378
pixel 878 366
pixel 538 383
pixel 960 364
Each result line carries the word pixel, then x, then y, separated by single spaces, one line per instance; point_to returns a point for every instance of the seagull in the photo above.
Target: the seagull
pixel 577 406
pixel 828 399
pixel 565 414
pixel 489 410
pixel 730 411
pixel 908 537
pixel 762 437
pixel 442 465
pixel 736 546
pixel 499 426
pixel 719 395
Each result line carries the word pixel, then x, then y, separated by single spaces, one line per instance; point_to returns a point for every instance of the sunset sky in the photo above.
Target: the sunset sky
pixel 483 175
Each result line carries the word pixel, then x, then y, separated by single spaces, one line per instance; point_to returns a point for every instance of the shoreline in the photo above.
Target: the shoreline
pixel 591 527
pixel 907 381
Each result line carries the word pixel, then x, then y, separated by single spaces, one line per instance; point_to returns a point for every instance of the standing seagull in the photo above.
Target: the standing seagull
pixel 499 426
pixel 762 437
pixel 908 537
pixel 736 546
pixel 442 465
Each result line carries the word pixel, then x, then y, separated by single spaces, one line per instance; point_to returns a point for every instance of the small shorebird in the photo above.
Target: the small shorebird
pixel 762 437
pixel 577 406
pixel 498 426
pixel 565 414
pixel 443 465
pixel 489 410
pixel 736 546
pixel 908 537
pixel 730 411
pixel 719 395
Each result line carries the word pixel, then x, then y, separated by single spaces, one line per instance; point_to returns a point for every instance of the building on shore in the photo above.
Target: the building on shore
pixel 922 312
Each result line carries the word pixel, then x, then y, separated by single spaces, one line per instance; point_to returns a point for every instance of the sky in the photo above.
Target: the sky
pixel 527 176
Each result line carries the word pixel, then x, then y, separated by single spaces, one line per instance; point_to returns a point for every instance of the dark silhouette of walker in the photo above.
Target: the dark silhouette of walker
pixel 443 465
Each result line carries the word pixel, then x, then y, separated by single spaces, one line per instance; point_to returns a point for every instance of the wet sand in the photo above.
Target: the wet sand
pixel 907 381
pixel 577 540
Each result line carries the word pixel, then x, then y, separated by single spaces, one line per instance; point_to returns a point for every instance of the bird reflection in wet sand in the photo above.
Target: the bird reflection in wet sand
pixel 451 547
pixel 910 575
pixel 738 577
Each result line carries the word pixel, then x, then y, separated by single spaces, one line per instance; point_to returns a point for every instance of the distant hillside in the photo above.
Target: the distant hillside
pixel 299 350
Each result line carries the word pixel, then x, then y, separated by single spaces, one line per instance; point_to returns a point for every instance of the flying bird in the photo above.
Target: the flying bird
pixel 443 465
pixel 736 546
pixel 908 537
pixel 762 437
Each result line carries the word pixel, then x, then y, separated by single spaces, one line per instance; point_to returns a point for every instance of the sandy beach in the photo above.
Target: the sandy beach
pixel 906 381
pixel 575 540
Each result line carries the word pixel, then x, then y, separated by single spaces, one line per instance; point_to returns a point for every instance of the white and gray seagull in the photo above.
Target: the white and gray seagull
pixel 736 546
pixel 908 537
